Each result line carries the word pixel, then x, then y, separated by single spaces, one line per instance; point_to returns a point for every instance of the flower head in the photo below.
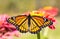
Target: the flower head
pixel 48 12
pixel 7 30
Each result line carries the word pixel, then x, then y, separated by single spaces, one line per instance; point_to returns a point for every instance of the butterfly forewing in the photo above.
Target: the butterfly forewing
pixel 20 19
pixel 38 20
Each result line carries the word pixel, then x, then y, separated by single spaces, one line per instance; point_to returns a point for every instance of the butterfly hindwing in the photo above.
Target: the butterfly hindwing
pixel 33 27
pixel 23 27
pixel 36 24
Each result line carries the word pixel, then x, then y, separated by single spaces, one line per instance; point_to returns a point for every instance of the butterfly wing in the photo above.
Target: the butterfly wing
pixel 23 27
pixel 38 20
pixel 20 22
pixel 36 24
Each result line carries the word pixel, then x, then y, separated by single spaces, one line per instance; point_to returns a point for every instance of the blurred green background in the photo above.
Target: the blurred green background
pixel 16 7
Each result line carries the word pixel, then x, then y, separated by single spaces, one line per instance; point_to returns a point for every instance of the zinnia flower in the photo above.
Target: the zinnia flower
pixel 48 12
pixel 7 31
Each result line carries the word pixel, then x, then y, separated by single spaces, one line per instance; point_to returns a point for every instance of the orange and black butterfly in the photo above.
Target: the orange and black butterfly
pixel 33 24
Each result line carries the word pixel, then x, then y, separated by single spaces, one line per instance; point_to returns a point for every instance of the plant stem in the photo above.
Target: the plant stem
pixel 38 35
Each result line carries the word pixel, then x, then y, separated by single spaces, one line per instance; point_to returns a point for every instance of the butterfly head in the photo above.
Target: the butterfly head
pixel 45 19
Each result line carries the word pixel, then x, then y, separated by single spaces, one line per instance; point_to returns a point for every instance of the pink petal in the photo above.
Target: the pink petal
pixel 52 27
pixel 50 18
pixel 0 34
pixel 7 34
pixel 47 16
pixel 53 11
pixel 54 20
pixel 7 37
pixel 1 38
pixel 2 29
pixel 16 33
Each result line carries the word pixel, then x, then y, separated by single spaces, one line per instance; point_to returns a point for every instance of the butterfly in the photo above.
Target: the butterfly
pixel 32 24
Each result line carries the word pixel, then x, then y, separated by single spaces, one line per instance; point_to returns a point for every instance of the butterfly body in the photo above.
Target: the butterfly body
pixel 29 17
pixel 33 24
